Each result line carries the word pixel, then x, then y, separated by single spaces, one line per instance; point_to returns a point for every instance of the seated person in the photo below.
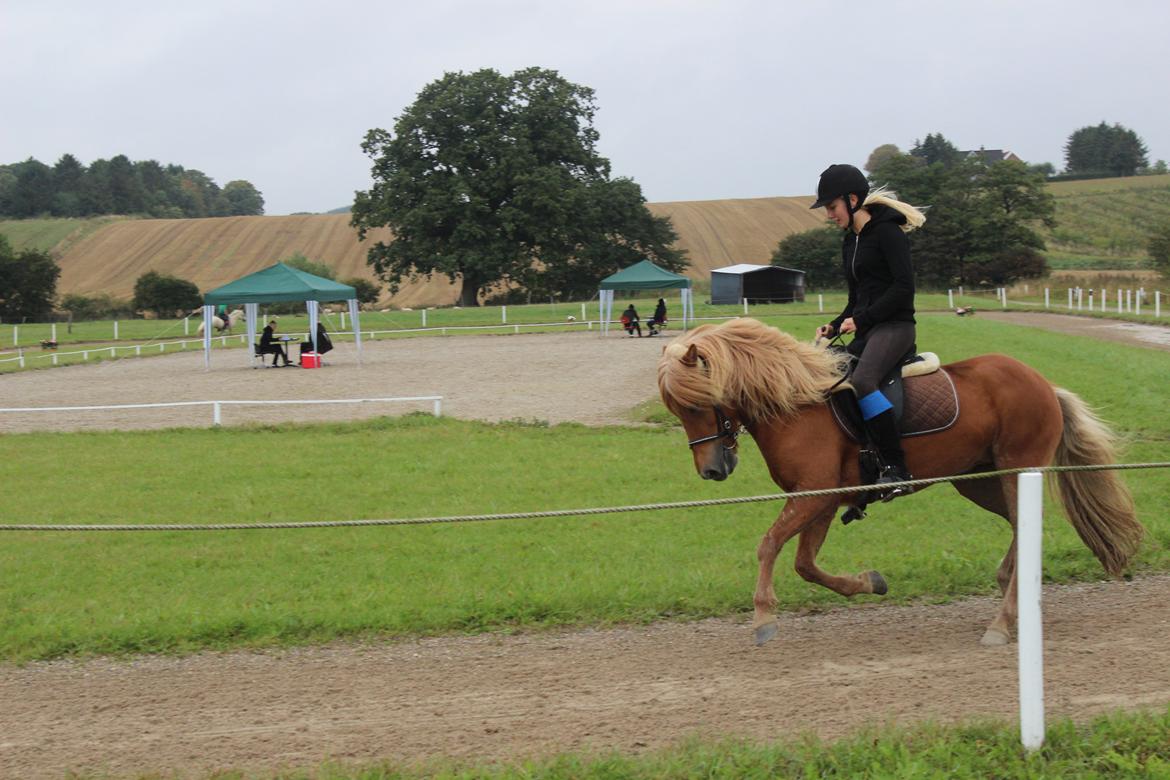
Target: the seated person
pixel 270 346
pixel 658 321
pixel 323 342
pixel 631 321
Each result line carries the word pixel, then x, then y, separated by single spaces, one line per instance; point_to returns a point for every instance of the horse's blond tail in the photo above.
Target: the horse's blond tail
pixel 1098 503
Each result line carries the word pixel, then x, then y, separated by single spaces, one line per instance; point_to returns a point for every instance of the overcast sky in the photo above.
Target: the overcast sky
pixel 697 100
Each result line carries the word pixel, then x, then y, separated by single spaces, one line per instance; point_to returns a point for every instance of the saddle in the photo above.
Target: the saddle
pixel 924 400
pixel 922 394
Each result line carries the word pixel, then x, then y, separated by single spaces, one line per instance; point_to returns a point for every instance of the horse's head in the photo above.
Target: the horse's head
pixel 690 390
pixel 717 377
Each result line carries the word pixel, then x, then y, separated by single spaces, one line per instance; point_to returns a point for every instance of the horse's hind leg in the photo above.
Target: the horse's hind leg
pixel 811 539
pixel 998 496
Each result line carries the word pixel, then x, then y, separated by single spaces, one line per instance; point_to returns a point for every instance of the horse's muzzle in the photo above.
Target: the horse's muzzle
pixel 721 469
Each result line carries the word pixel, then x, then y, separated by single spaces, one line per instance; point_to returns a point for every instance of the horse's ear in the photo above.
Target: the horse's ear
pixel 692 356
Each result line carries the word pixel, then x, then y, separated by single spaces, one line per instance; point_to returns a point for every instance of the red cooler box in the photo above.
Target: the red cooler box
pixel 310 360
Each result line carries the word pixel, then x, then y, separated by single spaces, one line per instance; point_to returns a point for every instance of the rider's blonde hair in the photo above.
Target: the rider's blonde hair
pixel 884 196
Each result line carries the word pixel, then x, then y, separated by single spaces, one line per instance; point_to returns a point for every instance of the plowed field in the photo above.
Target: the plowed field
pixel 212 252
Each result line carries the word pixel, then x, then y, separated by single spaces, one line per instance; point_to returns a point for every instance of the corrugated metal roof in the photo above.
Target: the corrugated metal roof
pixel 747 268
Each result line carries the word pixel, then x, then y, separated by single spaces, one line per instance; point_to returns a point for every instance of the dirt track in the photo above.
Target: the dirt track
pixel 486 697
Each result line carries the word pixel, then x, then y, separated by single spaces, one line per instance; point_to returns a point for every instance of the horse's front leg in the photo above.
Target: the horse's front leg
pixel 811 539
pixel 795 517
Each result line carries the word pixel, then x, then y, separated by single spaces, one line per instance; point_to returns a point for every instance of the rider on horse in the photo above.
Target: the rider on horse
pixel 880 313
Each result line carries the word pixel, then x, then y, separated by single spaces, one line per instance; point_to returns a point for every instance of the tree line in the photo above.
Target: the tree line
pixel 983 218
pixel 120 186
pixel 28 290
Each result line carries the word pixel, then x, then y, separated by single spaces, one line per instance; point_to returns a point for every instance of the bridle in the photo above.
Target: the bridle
pixel 723 430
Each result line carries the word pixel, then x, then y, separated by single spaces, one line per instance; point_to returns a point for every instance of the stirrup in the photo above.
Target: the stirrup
pixel 887 477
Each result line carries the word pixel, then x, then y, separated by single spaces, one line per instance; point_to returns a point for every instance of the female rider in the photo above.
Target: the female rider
pixel 880 313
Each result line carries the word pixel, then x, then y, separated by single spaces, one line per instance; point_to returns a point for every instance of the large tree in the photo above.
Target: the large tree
pixel 817 252
pixel 935 149
pixel 981 222
pixel 493 179
pixel 165 294
pixel 245 199
pixel 28 283
pixel 1104 151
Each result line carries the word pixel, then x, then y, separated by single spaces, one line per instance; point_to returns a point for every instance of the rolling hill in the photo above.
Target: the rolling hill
pixel 1103 225
pixel 110 256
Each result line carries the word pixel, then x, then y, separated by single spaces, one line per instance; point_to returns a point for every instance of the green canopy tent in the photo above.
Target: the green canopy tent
pixel 273 284
pixel 644 275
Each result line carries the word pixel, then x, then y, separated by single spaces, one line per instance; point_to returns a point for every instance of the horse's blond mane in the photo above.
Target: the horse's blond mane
pixel 745 365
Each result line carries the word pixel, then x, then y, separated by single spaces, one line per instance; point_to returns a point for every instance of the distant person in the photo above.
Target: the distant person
pixel 269 345
pixel 323 343
pixel 631 321
pixel 658 321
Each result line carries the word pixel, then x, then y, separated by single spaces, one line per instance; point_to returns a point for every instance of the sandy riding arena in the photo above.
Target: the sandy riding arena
pixel 492 697
pixel 555 377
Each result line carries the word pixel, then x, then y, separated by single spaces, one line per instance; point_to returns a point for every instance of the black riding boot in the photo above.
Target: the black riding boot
pixel 883 432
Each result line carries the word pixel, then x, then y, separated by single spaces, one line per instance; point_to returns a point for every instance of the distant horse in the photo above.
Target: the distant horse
pixel 742 372
pixel 220 326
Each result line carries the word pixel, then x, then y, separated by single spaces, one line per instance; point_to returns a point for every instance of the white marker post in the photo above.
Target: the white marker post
pixel 950 299
pixel 1030 516
pixel 1045 297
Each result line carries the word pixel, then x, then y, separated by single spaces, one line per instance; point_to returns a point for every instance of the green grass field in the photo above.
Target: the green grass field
pixel 1115 747
pixel 1105 223
pixel 82 594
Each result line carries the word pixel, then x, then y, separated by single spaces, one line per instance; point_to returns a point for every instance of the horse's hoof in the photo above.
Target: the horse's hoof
pixel 766 632
pixel 877 583
pixel 993 638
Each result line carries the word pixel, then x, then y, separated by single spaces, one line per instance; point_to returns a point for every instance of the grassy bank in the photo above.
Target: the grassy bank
pixel 1118 746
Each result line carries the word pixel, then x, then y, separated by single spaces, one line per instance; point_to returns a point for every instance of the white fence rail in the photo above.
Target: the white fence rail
pixel 217 406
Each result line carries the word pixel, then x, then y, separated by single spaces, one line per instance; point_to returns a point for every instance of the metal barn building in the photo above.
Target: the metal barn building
pixel 757 283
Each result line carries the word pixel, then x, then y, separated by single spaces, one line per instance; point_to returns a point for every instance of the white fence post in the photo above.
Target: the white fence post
pixel 438 407
pixel 187 326
pixel 504 314
pixel 215 413
pixel 115 330
pixel 1129 300
pixel 950 299
pixel 1045 297
pixel 583 317
pixel 1157 303
pixel 424 315
pixel 1030 515
pixel 1137 302
pixel 820 302
pixel 15 336
pixel 1070 299
pixel 1119 300
pixel 1090 300
pixel 53 332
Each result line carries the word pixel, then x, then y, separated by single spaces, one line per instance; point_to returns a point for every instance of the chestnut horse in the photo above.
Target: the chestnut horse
pixel 717 378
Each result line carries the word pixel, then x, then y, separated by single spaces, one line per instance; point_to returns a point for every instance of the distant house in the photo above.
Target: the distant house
pixel 991 156
pixel 757 283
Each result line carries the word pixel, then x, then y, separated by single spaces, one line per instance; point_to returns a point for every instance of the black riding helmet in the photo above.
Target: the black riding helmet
pixel 840 181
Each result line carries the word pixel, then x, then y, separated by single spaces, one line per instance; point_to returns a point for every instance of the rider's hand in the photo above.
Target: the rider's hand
pixel 825 332
pixel 848 326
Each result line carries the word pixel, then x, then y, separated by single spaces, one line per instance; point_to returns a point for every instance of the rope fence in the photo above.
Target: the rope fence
pixel 570 512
